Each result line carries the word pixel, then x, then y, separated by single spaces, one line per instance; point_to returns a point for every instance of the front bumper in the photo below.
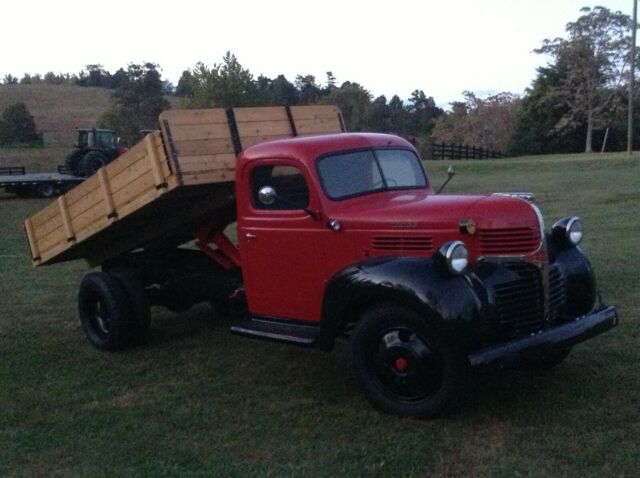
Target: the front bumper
pixel 558 337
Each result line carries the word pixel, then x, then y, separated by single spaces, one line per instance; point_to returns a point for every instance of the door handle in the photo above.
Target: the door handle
pixel 250 235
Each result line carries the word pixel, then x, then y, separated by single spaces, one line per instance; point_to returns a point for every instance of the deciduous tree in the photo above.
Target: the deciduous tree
pixel 596 54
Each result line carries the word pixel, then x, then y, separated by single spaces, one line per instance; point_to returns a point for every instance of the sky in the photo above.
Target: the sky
pixel 442 47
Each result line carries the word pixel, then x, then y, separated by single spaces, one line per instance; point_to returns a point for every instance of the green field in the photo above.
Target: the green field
pixel 197 400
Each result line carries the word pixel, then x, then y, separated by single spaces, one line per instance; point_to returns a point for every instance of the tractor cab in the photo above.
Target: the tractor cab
pixel 97 138
pixel 94 148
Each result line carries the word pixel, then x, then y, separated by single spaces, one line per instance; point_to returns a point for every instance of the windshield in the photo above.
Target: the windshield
pixel 355 173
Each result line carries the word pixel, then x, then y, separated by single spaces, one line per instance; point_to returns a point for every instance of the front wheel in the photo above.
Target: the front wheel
pixel 403 365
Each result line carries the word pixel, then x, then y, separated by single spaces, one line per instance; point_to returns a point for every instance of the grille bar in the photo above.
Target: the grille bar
pixel 518 240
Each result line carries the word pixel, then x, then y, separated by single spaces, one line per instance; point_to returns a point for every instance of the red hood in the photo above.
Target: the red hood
pixel 420 210
pixel 505 226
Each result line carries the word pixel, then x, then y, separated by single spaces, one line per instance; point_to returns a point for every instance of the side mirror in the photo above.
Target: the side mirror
pixel 267 195
pixel 450 174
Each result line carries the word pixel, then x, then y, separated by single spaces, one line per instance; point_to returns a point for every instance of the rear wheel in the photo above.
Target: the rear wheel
pixel 403 365
pixel 139 312
pixel 91 162
pixel 102 305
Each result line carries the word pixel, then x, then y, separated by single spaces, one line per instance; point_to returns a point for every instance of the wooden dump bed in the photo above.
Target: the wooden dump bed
pixel 164 187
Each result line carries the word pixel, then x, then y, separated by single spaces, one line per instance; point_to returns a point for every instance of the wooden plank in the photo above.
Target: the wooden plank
pixel 208 177
pixel 154 162
pixel 33 246
pixel 207 163
pixel 55 250
pixel 50 211
pixel 136 153
pixel 252 140
pixel 194 117
pixel 198 147
pixel 64 212
pixel 314 111
pixel 317 126
pixel 45 228
pixel 264 114
pixel 81 191
pixel 264 129
pixel 110 208
pixel 199 131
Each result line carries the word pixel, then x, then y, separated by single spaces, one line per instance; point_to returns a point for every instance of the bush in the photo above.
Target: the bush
pixel 18 128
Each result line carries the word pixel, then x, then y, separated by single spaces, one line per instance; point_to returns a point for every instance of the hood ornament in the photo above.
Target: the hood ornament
pixel 529 197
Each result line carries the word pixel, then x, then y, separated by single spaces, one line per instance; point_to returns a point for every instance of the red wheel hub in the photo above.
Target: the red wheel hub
pixel 401 364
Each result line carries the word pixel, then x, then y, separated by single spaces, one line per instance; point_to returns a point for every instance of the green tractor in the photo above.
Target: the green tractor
pixel 94 149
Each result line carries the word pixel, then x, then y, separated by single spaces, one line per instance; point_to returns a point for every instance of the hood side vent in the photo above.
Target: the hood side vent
pixel 402 244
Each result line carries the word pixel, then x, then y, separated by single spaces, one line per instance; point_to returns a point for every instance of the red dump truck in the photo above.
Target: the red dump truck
pixel 338 235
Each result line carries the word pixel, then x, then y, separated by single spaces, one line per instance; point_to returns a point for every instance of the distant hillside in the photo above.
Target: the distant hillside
pixel 58 109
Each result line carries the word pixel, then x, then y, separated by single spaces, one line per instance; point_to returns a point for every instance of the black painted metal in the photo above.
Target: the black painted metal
pixel 279 331
pixel 449 303
pixel 233 128
pixel 493 303
pixel 558 337
pixel 294 130
pixel 172 150
pixel 12 170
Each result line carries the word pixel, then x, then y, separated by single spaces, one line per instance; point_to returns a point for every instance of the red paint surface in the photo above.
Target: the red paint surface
pixel 288 256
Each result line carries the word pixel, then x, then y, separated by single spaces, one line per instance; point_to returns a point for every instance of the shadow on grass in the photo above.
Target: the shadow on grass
pixel 327 379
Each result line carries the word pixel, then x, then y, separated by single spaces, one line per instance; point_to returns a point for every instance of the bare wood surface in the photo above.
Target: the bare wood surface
pixel 198 183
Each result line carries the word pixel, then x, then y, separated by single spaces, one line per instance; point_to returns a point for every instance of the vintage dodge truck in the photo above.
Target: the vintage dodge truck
pixel 338 235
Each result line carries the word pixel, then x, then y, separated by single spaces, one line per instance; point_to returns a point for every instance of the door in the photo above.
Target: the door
pixel 281 244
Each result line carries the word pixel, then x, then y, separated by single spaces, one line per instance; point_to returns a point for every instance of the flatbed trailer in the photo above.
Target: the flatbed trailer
pixel 16 180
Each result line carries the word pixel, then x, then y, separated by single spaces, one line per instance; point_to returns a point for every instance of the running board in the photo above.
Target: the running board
pixel 292 333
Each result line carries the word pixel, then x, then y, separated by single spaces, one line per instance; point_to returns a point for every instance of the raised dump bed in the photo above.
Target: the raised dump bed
pixel 172 182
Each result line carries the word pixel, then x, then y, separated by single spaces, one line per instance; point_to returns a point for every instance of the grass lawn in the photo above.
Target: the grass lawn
pixel 198 400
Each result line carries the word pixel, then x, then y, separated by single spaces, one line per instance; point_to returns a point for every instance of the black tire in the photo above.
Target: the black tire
pixel 139 310
pixel 91 162
pixel 546 361
pixel 403 366
pixel 102 305
pixel 45 190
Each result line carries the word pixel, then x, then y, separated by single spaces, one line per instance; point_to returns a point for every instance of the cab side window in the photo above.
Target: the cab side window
pixel 288 182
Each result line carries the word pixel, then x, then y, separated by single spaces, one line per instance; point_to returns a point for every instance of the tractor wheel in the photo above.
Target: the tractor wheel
pixel 45 190
pixel 404 366
pixel 91 162
pixel 102 305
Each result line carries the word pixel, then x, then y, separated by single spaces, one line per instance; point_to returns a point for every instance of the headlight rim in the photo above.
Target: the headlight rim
pixel 446 251
pixel 561 231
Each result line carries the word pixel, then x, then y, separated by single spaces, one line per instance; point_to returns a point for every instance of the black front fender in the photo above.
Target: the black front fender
pixel 450 303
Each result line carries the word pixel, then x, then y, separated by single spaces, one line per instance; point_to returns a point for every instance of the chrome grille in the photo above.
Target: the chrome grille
pixel 519 240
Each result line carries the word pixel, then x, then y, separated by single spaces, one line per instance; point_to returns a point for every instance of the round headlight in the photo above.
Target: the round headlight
pixel 568 231
pixel 455 255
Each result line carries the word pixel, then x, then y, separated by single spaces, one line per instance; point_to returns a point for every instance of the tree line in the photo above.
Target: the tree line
pixel 569 106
